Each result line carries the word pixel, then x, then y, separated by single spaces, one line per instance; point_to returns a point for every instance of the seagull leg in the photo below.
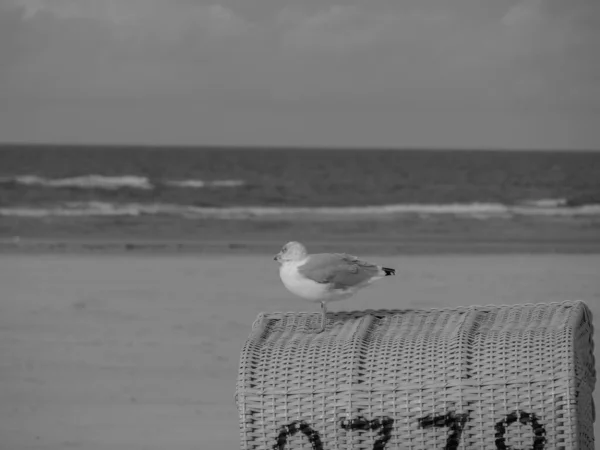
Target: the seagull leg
pixel 323 316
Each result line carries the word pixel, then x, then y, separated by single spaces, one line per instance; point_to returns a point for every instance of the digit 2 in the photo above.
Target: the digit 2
pixel 361 424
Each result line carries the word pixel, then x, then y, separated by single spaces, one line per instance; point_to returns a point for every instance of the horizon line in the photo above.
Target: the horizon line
pixel 3 145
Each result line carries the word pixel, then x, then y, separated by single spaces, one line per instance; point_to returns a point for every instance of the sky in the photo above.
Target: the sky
pixel 364 73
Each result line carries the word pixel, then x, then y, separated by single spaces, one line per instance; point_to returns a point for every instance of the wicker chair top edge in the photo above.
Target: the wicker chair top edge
pixel 472 383
pixel 578 304
pixel 574 303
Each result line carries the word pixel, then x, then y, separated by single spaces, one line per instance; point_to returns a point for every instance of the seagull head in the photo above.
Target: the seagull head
pixel 292 251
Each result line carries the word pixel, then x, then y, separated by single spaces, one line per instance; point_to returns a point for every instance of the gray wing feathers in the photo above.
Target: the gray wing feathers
pixel 339 269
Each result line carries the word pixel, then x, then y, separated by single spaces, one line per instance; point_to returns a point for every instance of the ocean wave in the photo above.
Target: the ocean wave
pixel 85 181
pixel 477 210
pixel 113 182
pixel 195 184
pixel 545 203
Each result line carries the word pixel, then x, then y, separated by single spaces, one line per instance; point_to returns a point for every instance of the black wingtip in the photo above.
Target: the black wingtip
pixel 389 271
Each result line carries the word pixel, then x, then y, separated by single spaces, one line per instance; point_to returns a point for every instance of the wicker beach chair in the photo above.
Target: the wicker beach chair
pixel 481 377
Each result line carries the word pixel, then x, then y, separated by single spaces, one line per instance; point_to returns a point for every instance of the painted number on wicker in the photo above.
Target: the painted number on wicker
pixel 291 429
pixel 384 424
pixel 526 419
pixel 456 423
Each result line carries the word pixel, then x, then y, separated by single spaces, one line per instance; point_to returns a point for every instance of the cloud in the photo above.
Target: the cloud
pixel 425 54
pixel 78 49
pixel 147 18
pixel 553 47
pixel 526 11
pixel 347 28
pixel 465 57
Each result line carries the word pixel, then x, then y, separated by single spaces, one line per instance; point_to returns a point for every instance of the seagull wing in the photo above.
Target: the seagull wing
pixel 340 270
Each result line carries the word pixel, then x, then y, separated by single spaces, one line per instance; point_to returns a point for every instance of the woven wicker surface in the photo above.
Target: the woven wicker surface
pixel 481 377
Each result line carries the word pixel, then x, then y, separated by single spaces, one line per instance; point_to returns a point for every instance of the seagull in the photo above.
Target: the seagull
pixel 325 277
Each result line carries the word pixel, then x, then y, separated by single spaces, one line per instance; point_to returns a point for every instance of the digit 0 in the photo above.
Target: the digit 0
pixel 294 427
pixel 525 418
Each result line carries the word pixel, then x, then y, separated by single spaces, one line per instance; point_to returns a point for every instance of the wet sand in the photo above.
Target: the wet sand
pixel 140 351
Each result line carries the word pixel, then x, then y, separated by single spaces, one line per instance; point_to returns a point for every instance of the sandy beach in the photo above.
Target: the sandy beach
pixel 140 351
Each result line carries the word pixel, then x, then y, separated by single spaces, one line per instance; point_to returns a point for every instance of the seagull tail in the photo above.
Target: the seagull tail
pixel 388 271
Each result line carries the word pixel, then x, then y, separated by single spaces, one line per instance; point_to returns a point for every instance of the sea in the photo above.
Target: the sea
pixel 38 182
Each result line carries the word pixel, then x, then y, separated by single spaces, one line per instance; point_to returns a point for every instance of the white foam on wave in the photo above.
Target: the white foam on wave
pixel 202 184
pixel 87 181
pixel 546 203
pixel 114 182
pixel 73 209
pixel 478 210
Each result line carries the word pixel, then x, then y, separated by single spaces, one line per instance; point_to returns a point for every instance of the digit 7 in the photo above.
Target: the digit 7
pixel 456 423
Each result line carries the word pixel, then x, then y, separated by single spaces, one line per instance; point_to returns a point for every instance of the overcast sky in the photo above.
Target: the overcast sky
pixel 442 73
